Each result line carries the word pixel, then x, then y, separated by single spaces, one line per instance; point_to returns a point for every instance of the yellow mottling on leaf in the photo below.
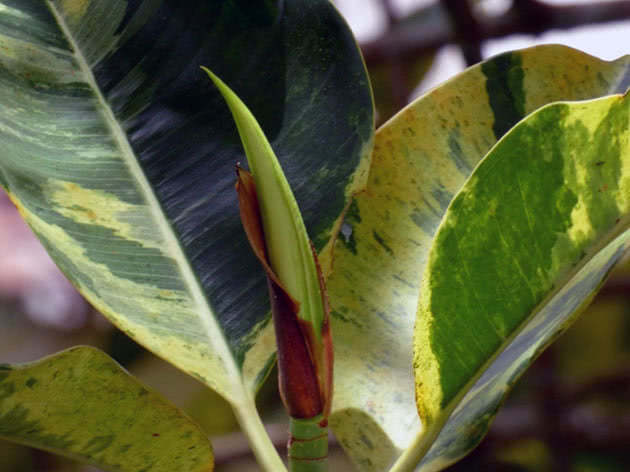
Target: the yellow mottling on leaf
pixel 96 207
pixel 574 75
pixel 357 184
pixel 371 447
pixel 170 294
pixel 426 366
pixel 141 309
pixel 259 353
pixel 623 201
pixel 623 198
pixel 581 228
pixel 104 401
pixel 589 114
pixel 74 10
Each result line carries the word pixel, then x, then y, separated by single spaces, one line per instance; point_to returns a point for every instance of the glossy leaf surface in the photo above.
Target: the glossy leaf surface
pixel 422 158
pixel 522 248
pixel 120 155
pixel 81 404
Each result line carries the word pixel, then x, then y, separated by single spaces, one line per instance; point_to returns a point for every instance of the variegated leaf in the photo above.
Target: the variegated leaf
pixel 422 157
pixel 120 155
pixel 522 249
pixel 83 405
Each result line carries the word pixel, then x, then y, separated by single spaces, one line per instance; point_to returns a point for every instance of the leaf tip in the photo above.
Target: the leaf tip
pixel 227 93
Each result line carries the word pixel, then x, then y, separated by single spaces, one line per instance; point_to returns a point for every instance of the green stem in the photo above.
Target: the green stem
pixel 411 457
pixel 264 450
pixel 308 445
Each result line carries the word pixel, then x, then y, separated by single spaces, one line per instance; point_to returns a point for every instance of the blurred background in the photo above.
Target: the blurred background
pixel 570 411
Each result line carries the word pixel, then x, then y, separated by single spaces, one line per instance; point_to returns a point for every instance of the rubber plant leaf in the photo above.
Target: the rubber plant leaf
pixel 521 251
pixel 120 157
pixel 422 158
pixel 81 404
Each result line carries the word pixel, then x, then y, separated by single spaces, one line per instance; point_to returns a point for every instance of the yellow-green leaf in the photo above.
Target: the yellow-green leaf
pixel 521 250
pixel 422 158
pixel 81 404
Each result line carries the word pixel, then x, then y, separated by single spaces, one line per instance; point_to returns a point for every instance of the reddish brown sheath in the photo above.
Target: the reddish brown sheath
pixel 304 365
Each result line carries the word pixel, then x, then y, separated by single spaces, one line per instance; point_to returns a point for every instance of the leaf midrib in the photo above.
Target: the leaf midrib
pixel 211 325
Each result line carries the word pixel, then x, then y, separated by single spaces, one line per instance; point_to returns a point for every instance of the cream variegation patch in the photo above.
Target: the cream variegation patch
pixel 357 184
pixel 99 208
pixel 147 311
pixel 262 347
pixel 581 229
pixel 74 10
pixel 371 447
pixel 588 114
pixel 24 59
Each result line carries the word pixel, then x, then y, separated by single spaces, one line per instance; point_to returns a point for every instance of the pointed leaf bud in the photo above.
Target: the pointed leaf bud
pixel 275 229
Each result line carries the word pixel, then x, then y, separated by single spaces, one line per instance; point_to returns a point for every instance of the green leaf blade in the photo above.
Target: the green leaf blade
pixel 121 157
pixel 474 413
pixel 422 158
pixel 522 248
pixel 81 404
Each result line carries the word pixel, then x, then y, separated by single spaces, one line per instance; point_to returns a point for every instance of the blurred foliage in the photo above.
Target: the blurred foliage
pixel 591 462
pixel 393 83
pixel 15 458
pixel 598 344
pixel 530 454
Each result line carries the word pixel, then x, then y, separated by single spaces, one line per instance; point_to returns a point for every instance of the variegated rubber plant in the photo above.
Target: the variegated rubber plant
pixel 456 242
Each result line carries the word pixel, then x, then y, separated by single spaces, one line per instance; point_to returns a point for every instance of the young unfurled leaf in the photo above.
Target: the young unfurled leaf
pixel 286 240
pixel 276 232
pixel 297 374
